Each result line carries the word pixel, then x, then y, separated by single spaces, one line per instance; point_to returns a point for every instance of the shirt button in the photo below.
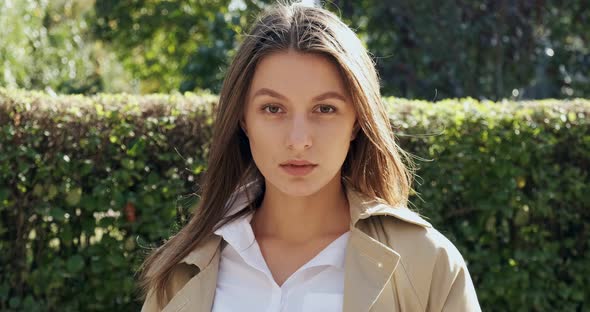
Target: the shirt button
pixel 379 264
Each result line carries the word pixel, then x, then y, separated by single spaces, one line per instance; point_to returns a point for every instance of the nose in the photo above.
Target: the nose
pixel 299 135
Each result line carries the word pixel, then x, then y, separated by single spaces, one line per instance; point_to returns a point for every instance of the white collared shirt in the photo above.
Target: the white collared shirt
pixel 245 282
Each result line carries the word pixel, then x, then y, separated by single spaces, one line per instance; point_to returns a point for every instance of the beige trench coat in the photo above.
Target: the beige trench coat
pixel 395 261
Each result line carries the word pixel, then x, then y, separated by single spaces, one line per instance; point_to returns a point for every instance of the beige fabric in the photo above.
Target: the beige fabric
pixel 395 261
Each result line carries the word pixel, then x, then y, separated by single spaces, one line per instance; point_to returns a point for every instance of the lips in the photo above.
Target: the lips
pixel 295 162
pixel 298 167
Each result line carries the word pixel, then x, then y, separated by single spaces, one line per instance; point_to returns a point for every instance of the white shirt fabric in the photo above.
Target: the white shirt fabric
pixel 245 282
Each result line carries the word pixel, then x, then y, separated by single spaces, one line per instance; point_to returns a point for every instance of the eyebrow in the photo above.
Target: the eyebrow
pixel 321 97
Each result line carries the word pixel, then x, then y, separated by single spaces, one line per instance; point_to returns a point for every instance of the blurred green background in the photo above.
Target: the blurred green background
pixel 426 49
pixel 89 181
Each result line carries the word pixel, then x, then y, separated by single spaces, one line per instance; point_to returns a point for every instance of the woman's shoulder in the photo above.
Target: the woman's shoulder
pixel 428 261
pixel 403 230
pixel 416 240
pixel 434 265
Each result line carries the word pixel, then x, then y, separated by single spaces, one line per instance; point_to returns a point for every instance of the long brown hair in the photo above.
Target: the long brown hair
pixel 373 165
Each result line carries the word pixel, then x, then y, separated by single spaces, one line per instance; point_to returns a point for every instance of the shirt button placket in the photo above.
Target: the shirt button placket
pixel 276 299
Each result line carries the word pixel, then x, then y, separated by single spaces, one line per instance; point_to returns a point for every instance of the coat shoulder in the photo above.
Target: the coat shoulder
pixel 412 240
pixel 433 264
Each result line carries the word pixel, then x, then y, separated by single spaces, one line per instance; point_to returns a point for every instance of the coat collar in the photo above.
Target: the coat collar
pixel 363 207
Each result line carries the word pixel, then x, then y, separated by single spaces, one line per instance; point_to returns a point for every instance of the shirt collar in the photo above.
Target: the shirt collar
pixel 239 235
pixel 333 254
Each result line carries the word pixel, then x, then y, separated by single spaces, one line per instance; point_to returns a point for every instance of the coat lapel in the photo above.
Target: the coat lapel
pixel 371 266
pixel 368 269
pixel 198 293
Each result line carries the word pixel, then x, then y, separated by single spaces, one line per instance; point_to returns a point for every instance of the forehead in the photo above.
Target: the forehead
pixel 297 74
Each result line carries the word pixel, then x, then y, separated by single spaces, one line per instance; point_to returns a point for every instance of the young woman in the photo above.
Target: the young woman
pixel 304 200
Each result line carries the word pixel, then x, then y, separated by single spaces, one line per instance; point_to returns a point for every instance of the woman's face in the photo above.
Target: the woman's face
pixel 299 120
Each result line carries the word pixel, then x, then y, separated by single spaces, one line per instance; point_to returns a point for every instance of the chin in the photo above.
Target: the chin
pixel 299 187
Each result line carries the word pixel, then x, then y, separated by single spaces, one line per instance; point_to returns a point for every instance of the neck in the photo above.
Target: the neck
pixel 301 219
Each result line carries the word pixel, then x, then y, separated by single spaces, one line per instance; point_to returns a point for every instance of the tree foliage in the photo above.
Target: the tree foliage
pixel 481 48
pixel 48 45
pixel 172 45
pixel 423 49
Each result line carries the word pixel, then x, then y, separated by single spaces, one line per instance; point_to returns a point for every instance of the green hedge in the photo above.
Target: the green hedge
pixel 86 183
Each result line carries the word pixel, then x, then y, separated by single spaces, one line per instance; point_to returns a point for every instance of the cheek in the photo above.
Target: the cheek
pixel 334 140
pixel 335 133
pixel 261 133
pixel 263 141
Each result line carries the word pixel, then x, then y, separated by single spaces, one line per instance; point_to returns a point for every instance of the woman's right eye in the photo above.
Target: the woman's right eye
pixel 272 109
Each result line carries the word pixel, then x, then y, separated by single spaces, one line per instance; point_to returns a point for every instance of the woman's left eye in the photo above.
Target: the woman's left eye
pixel 272 109
pixel 326 109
